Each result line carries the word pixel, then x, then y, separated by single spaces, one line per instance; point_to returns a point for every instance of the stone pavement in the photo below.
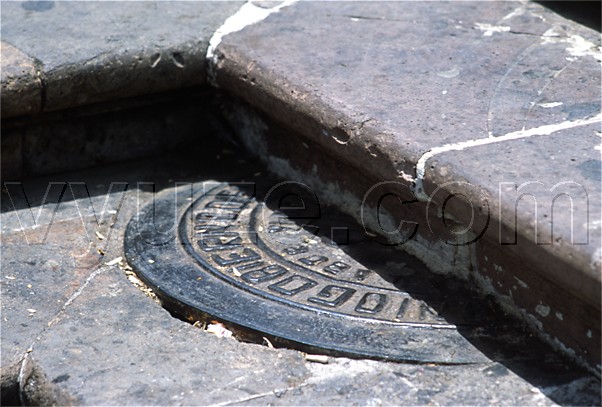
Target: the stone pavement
pixel 482 120
pixel 77 328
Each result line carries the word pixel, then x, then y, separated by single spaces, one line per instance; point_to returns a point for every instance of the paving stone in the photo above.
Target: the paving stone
pixel 392 85
pixel 44 266
pixel 115 332
pixel 21 86
pixel 350 382
pixel 110 50
pixel 112 331
pixel 154 126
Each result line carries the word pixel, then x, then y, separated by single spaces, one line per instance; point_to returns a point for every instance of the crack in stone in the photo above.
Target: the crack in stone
pixel 261 395
pixel 73 297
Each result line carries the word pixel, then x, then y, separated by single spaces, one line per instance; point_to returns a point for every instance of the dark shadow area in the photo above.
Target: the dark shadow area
pixel 9 390
pixel 587 13
pixel 160 139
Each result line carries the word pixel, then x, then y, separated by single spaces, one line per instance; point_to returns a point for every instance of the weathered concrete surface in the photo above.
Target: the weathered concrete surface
pixel 88 52
pixel 97 339
pixel 394 86
pixel 20 82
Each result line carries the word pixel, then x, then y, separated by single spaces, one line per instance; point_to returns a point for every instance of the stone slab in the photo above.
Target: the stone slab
pixel 392 85
pixel 399 79
pixel 107 50
pixel 11 155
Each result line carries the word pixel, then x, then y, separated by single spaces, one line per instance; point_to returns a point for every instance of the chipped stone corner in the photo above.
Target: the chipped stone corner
pixel 248 14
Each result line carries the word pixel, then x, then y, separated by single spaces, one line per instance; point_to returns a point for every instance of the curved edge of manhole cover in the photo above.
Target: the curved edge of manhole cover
pixel 211 247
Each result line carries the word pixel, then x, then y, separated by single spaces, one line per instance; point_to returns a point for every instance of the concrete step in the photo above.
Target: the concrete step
pixel 476 125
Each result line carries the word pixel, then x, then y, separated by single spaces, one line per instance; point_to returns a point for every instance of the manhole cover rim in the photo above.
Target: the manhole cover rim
pixel 439 345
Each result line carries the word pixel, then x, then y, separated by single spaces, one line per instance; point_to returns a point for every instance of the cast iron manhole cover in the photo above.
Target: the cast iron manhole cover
pixel 213 248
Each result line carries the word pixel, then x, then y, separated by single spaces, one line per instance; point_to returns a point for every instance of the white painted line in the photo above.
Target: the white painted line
pixel 550 105
pixel 246 15
pixel 545 130
pixel 490 29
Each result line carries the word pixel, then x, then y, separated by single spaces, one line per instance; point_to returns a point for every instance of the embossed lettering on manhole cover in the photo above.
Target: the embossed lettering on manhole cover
pixel 213 248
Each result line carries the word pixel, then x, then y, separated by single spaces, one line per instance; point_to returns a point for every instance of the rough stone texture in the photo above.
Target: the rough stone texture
pixel 165 361
pixel 20 84
pixel 108 50
pixel 97 339
pixel 390 82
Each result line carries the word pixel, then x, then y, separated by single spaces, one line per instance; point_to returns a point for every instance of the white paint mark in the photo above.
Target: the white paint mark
pixel 406 177
pixel 578 46
pixel 545 130
pixel 248 14
pixel 25 372
pixel 521 282
pixel 452 73
pixel 490 29
pixel 559 315
pixel 116 260
pixel 589 333
pixel 550 105
pixel 581 47
pixel 517 12
pixel 542 310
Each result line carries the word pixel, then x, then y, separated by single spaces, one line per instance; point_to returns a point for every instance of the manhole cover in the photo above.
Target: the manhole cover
pixel 214 248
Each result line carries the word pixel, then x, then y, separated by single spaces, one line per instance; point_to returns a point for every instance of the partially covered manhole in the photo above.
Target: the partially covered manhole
pixel 214 248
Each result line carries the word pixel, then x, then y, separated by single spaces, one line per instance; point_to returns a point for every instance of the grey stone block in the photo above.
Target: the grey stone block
pixel 96 51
